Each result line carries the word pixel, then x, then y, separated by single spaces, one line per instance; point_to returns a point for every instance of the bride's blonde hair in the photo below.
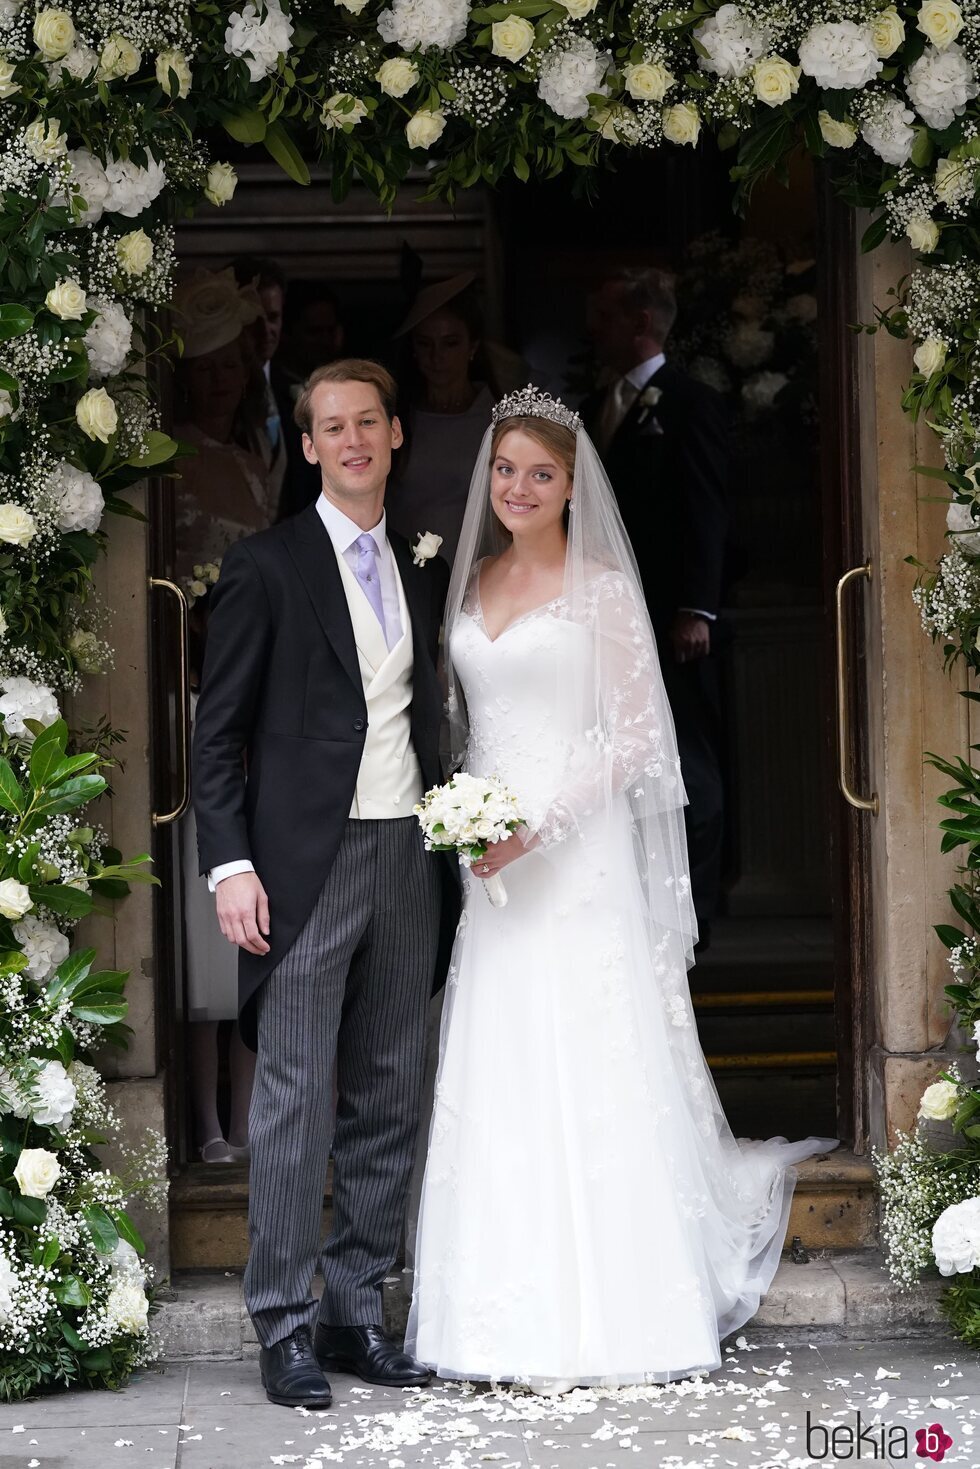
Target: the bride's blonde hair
pixel 554 437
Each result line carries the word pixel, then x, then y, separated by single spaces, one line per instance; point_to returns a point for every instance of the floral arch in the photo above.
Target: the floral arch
pixel 103 109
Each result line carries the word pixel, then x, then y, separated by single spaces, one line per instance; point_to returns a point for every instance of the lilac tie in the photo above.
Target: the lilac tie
pixel 367 576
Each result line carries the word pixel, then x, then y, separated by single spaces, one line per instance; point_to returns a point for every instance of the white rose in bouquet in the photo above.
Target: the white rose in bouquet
pixel 222 181
pixel 23 699
pixel 37 1172
pixel 837 134
pixel 940 21
pixel 173 61
pixel 888 31
pixel 15 899
pixel 132 188
pixel 467 815
pixel 940 84
pixel 109 340
pixel 127 1307
pixel 840 54
pixel 76 498
pixel 421 24
pixel 956 1238
pixel 397 76
pixel 6 406
pixel 955 180
pixel 425 128
pixel 66 300
pixel 96 415
pixel 89 180
pixel 259 38
pixel 774 80
pixel 923 234
pixel 512 38
pixel 930 355
pixel 134 252
pixel 16 525
pixel 681 123
pixel 938 1102
pixel 731 41
pixel 648 81
pixel 887 131
pixel 43 946
pixel 45 141
pixel 119 59
pixel 578 9
pixel 964 530
pixel 570 74
pixel 8 87
pixel 54 33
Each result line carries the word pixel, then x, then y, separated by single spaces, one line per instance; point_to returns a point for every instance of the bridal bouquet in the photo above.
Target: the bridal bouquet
pixel 466 815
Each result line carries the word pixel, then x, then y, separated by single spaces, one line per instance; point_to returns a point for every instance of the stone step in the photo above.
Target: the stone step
pixel 834 1206
pixel 836 1296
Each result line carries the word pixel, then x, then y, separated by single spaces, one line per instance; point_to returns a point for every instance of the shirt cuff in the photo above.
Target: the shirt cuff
pixel 699 612
pixel 227 869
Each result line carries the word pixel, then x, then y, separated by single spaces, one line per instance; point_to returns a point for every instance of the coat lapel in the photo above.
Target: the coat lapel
pixel 631 419
pixel 312 551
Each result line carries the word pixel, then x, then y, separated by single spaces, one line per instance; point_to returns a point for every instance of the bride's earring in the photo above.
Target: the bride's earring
pixel 571 503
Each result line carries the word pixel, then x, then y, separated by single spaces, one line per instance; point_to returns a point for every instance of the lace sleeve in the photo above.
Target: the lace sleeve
pixel 629 745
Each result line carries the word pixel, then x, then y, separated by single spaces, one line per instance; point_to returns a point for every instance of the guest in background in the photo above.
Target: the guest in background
pixel 664 441
pixel 313 335
pixel 222 495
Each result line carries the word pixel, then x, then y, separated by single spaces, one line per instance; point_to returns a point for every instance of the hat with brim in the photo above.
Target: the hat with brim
pixel 211 310
pixel 431 298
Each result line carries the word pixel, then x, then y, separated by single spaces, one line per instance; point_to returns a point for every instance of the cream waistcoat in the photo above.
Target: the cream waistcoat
pixel 389 781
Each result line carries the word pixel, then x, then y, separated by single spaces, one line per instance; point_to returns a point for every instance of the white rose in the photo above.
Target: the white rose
pixel 76 498
pixel 15 900
pixel 51 1097
pixel 570 75
pixel 774 80
pixel 3 623
pixel 119 58
pixel 127 1307
pixel 134 252
pixel 80 63
pixel 397 76
pixel 109 340
pixel 840 54
pixel 89 180
pixel 731 41
pixel 887 31
pixel 938 1102
pixel 930 355
pixel 426 547
pixel 648 81
pixel 424 23
pixel 221 183
pixel 43 946
pixel 37 1172
pixel 23 699
pixel 45 141
pixel 16 525
pixel 96 415
pixel 173 61
pixel 8 87
pixel 54 33
pixel 66 300
pixel 887 130
pixel 354 6
pixel 923 234
pixel 512 38
pixel 940 84
pixel 579 9
pixel 425 128
pixel 837 134
pixel 940 21
pixel 964 530
pixel 681 123
pixel 954 182
pixel 342 110
pixel 6 405
pixel 956 1238
pixel 86 650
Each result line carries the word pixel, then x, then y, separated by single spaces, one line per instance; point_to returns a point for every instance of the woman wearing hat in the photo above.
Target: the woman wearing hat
pixel 222 495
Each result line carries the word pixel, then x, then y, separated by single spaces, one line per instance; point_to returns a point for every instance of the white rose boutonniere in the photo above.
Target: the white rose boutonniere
pixel 426 547
pixel 647 420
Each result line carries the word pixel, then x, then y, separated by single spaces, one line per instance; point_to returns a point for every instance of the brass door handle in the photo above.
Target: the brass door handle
pixel 165 817
pixel 862 803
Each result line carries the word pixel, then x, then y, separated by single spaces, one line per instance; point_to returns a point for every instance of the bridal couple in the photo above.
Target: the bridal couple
pixel 586 1215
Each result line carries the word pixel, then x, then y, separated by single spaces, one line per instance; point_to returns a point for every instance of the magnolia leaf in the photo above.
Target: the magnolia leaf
pixel 104 1234
pixel 282 148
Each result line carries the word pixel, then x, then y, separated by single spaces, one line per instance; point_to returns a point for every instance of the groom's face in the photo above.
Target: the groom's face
pixel 351 440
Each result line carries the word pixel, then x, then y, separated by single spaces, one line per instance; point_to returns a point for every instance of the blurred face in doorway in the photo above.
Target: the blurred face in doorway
pixel 443 349
pixel 268 329
pixel 215 382
pixel 619 333
pixel 317 335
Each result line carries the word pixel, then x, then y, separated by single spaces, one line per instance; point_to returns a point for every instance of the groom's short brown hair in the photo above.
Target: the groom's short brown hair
pixel 346 370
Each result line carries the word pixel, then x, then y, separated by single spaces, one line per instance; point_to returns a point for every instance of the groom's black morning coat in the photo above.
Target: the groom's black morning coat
pixel 282 699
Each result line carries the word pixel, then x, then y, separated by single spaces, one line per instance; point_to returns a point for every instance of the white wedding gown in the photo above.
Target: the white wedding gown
pixel 586 1215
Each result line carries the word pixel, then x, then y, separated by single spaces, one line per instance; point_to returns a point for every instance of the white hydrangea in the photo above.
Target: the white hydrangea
pixel 569 74
pixel 109 340
pixel 76 498
pixel 43 945
pixel 88 180
pixel 840 54
pixel 125 1263
pixel 731 41
pixel 259 34
pixel 131 189
pixel 424 24
pixel 940 84
pixel 964 530
pixel 127 1307
pixel 956 1238
pixel 24 699
pixel 80 62
pixel 887 130
pixel 52 1098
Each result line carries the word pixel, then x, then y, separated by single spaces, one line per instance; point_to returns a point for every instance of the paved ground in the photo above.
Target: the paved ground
pixel 750 1415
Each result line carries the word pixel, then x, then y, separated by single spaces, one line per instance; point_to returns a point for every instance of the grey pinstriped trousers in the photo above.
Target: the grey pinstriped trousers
pixel 354 985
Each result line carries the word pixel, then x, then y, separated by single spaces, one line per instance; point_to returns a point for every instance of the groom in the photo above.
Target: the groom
pixel 317 731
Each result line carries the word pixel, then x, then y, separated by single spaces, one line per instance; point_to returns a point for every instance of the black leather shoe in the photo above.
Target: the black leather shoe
pixel 367 1352
pixel 291 1374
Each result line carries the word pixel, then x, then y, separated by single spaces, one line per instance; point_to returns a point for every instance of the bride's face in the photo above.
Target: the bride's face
pixel 529 489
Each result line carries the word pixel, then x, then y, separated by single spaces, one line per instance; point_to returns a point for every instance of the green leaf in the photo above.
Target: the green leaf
pixel 160 448
pixel 72 1337
pixel 68 795
pixel 50 1254
pixel 873 236
pixel 68 901
pixel 6 1203
pixel 282 148
pixel 15 321
pixel 98 1361
pixel 101 1009
pixel 245 126
pixel 127 1230
pixel 104 1234
pixel 48 752
pixel 69 972
pixel 951 937
pixel 28 1210
pixel 11 795
pixel 72 1292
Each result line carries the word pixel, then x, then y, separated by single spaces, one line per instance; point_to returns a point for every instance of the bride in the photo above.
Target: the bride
pixel 587 1216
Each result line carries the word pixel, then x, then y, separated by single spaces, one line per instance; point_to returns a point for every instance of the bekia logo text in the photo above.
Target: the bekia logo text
pixel 861 1440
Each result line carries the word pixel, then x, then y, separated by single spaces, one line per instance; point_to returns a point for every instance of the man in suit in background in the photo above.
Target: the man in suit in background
pixel 663 438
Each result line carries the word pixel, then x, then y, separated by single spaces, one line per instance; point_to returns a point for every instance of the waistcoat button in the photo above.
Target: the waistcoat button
pixel 358 724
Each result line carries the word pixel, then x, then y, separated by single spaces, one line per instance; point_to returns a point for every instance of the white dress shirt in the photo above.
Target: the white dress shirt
pixel 343 532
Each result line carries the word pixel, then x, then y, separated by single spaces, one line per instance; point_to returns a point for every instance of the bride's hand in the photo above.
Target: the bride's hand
pixel 501 854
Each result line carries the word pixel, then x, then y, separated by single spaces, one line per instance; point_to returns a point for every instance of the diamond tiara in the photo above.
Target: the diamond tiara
pixel 529 403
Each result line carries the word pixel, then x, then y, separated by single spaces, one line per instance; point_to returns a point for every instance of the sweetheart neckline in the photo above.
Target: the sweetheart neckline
pixel 482 623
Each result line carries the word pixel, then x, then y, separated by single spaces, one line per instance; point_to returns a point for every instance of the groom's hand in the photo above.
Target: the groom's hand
pixel 243 912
